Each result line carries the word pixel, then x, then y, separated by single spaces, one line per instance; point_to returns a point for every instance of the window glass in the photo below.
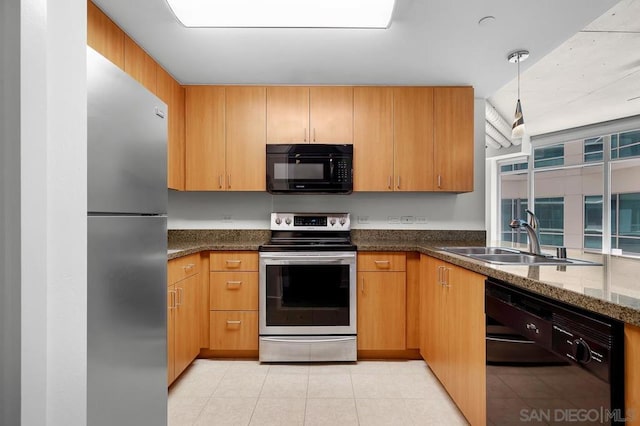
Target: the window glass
pixel 625 182
pixel 513 204
pixel 593 149
pixel 548 156
pixel 550 213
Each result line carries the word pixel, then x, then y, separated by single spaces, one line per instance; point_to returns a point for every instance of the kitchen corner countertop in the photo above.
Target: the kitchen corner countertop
pixel 611 289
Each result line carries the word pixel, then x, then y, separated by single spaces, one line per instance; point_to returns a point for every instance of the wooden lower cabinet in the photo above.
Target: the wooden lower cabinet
pixel 382 301
pixel 183 307
pixel 233 330
pixel 233 301
pixel 453 336
pixel 632 374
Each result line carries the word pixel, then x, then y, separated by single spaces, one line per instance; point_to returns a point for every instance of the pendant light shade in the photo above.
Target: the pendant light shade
pixel 517 129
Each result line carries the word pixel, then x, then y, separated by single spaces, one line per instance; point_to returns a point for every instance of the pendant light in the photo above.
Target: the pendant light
pixel 517 129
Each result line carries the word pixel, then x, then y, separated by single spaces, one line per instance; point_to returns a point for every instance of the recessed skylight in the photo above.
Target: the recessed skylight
pixel 284 13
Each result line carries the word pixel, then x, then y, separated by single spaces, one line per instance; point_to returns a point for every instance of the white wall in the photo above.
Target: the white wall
pixel 53 211
pixel 9 213
pixel 250 210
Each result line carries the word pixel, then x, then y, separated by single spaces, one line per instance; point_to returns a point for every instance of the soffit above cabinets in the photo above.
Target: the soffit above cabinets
pixel 429 42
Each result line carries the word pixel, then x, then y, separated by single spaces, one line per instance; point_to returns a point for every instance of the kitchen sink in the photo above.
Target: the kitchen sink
pixel 480 250
pixel 506 256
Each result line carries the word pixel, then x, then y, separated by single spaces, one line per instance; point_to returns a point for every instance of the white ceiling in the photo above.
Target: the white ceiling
pixel 580 71
pixel 592 77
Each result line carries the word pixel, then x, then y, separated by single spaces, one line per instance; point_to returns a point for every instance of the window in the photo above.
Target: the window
pixel 593 149
pixel 514 167
pixel 548 156
pixel 569 177
pixel 625 145
pixel 513 209
pixel 625 222
pixel 550 213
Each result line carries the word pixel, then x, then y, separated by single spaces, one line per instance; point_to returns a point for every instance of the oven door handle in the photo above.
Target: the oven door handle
pixel 305 257
pixel 339 339
pixel 314 260
pixel 309 261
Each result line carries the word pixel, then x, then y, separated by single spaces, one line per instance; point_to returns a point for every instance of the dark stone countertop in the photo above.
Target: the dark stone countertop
pixel 611 289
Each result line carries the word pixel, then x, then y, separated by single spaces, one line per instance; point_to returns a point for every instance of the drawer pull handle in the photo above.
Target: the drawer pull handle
pixel 233 262
pixel 531 326
pixel 234 285
pixel 189 266
pixel 382 263
pixel 234 322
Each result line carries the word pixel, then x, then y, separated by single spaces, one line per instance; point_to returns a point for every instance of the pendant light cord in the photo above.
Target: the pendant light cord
pixel 518 60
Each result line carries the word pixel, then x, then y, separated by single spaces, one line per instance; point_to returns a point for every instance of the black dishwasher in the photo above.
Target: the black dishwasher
pixel 549 362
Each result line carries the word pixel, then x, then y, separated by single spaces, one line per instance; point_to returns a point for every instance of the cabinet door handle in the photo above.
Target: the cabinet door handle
pixel 362 285
pixel 314 134
pixel 440 275
pixel 439 181
pixel 305 134
pixel 172 299
pixel 398 181
pixel 446 276
pixel 220 181
pixel 229 181
pixel 234 285
pixel 389 182
pixel 179 291
pixel 234 322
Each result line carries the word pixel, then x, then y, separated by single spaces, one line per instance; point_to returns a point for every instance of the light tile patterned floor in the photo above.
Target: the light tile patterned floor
pixel 225 392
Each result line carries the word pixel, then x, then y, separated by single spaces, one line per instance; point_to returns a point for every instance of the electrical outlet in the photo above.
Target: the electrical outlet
pixel 421 219
pixel 227 218
pixel 407 219
pixel 393 219
pixel 363 219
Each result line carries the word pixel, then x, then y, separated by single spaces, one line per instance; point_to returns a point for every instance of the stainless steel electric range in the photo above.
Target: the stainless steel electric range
pixel 308 289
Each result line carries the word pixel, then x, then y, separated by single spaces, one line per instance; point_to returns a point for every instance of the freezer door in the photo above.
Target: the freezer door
pixel 127 142
pixel 126 330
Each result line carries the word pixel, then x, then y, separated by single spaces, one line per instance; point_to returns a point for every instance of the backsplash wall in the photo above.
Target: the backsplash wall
pixel 251 210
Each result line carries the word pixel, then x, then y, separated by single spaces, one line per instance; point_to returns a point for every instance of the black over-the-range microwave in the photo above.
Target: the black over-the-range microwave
pixel 309 169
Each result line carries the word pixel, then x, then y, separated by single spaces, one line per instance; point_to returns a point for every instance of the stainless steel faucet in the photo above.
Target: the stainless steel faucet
pixel 533 231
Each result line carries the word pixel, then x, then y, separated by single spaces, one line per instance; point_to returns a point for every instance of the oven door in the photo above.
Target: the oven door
pixel 307 293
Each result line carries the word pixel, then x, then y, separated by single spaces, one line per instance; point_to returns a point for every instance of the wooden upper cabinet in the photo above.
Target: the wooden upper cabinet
pixel 453 139
pixel 205 138
pixel 246 117
pixel 104 36
pixel 413 138
pixel 139 65
pixel 173 95
pixel 322 114
pixel 331 114
pixel 373 139
pixel 287 114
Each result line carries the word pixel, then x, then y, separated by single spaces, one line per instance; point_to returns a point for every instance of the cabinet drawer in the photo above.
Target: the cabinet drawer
pixel 382 261
pixel 234 261
pixel 233 291
pixel 233 330
pixel 183 267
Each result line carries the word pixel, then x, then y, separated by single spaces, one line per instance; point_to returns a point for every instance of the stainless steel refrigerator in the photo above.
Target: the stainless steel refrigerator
pixel 127 250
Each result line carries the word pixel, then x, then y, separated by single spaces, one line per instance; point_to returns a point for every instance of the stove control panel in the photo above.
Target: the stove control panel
pixel 310 222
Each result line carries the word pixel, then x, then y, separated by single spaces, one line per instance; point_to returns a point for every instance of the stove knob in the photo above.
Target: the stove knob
pixel 288 221
pixel 278 221
pixel 332 222
pixel 581 351
pixel 343 221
